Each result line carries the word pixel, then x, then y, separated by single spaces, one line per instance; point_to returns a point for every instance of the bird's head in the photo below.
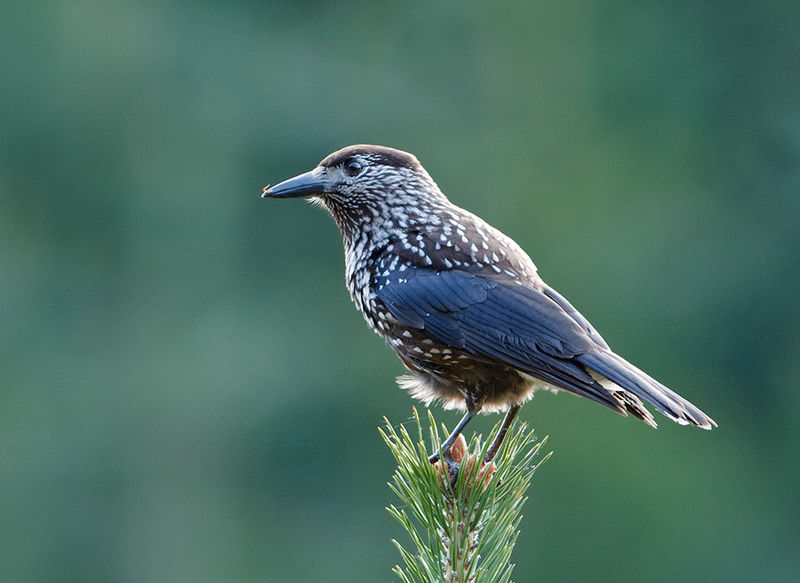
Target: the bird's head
pixel 364 183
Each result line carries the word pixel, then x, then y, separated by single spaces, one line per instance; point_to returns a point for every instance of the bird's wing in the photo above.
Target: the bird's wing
pixel 533 330
pixel 574 314
pixel 495 321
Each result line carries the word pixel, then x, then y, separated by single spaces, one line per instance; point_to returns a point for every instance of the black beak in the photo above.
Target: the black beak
pixel 303 185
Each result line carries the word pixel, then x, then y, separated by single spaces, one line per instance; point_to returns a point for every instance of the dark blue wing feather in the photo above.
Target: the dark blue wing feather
pixel 518 318
pixel 496 321
pixel 532 329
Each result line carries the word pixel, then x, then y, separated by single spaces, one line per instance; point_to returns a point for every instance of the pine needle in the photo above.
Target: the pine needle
pixel 463 533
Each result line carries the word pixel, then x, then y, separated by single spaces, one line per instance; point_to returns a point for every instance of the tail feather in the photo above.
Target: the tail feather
pixel 642 386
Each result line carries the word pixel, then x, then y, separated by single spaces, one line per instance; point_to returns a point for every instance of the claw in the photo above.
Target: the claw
pixel 451 458
pixel 452 470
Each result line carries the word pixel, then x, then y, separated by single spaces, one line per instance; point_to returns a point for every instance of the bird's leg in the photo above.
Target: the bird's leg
pixel 474 403
pixel 447 444
pixel 501 434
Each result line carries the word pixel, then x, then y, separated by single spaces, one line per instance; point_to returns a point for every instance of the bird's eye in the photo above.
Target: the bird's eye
pixel 353 167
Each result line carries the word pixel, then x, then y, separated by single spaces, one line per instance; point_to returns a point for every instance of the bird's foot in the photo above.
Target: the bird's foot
pixel 455 457
pixel 452 470
pixel 445 460
pixel 445 463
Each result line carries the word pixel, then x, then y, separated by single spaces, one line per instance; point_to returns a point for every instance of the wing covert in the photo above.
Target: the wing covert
pixel 484 317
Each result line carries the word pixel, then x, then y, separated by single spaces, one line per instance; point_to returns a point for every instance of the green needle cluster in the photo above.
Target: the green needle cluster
pixel 463 532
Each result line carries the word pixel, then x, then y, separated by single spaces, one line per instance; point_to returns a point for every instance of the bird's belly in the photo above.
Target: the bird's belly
pixel 451 377
pixel 440 372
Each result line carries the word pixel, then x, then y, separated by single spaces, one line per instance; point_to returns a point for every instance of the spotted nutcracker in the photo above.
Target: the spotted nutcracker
pixel 461 303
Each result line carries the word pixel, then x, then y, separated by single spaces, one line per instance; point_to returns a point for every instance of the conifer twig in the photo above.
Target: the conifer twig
pixel 465 532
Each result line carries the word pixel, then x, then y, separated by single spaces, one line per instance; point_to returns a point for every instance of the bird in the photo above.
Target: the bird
pixel 461 304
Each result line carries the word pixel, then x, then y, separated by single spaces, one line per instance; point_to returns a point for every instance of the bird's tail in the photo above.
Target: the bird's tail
pixel 630 379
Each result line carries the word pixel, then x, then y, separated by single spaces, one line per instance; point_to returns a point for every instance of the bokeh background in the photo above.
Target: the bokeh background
pixel 186 393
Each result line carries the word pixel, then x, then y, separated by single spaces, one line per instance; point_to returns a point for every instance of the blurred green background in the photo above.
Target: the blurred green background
pixel 186 393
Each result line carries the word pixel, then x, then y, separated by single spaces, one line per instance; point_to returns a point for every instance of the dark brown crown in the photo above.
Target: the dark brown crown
pixel 377 154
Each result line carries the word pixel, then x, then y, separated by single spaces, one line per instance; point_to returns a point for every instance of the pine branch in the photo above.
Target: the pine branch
pixel 463 533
